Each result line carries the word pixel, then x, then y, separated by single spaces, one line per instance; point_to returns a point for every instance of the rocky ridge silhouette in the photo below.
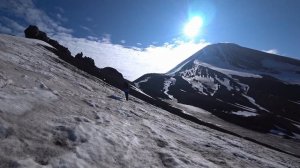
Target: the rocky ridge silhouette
pixel 87 64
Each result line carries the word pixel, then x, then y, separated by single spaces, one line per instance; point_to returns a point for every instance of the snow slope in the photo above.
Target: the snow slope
pixel 54 115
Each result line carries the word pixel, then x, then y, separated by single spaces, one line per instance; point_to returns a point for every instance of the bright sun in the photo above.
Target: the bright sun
pixel 192 28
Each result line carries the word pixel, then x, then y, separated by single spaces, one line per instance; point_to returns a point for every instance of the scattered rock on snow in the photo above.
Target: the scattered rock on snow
pixel 5 130
pixel 43 86
pixel 167 159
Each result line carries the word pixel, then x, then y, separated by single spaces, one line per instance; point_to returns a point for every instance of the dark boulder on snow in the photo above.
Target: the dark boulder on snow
pixel 34 32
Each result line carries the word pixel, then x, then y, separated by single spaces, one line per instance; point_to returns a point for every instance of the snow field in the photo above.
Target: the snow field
pixel 57 116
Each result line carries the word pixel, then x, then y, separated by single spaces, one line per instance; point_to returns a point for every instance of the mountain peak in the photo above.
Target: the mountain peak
pixel 230 56
pixel 223 45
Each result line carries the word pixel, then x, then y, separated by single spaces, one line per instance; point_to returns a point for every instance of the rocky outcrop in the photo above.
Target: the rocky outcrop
pixel 113 76
pixel 87 64
pixel 34 33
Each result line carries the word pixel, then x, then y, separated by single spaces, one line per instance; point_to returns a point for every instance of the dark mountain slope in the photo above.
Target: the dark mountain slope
pixel 250 88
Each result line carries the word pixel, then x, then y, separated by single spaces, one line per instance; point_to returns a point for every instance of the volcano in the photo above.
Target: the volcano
pixel 247 87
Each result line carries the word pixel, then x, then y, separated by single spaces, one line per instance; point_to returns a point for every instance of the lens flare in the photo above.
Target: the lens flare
pixel 192 28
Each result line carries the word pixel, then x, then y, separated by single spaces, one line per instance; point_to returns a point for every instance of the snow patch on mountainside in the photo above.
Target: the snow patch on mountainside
pixel 201 84
pixel 167 84
pixel 137 84
pixel 254 103
pixel 225 82
pixel 227 71
pixel 244 113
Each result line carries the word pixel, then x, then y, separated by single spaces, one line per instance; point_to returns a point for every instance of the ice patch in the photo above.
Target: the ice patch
pixel 245 107
pixel 245 113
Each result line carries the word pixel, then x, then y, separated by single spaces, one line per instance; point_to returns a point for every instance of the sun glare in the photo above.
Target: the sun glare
pixel 192 28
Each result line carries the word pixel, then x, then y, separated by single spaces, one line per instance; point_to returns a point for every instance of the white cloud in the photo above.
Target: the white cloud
pixel 93 38
pixel 132 62
pixel 106 38
pixel 272 51
pixel 123 41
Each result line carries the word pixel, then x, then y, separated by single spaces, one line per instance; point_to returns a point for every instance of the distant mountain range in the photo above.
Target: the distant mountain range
pixel 254 89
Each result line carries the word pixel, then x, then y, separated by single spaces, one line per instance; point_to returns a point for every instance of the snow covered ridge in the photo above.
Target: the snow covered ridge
pixel 234 58
pixel 250 88
pixel 54 115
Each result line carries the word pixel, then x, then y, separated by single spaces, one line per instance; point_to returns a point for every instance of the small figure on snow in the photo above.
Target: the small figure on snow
pixel 126 90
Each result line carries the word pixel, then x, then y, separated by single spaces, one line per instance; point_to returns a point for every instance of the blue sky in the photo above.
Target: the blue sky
pixel 148 34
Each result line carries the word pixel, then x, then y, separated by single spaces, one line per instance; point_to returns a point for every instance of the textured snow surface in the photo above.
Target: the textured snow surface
pixel 53 115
